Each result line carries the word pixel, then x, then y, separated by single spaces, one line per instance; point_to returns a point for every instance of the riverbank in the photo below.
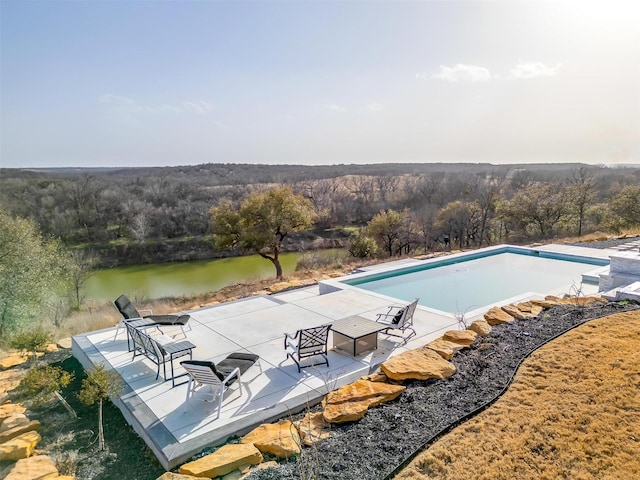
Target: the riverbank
pixel 96 315
pixel 184 249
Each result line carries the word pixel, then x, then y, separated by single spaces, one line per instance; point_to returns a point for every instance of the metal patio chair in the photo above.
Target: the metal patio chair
pixel 400 319
pixel 159 350
pixel 306 343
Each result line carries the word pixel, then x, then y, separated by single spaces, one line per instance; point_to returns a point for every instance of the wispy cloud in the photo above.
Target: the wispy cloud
pixel 374 107
pixel 527 70
pixel 198 107
pixel 475 73
pixel 332 107
pixel 460 73
pixel 116 100
pixel 129 104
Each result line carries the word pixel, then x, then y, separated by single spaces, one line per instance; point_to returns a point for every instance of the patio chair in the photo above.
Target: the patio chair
pixel 131 314
pixel 159 350
pixel 218 377
pixel 400 319
pixel 306 343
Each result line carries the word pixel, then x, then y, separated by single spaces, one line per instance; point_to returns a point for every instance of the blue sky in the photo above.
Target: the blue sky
pixel 133 83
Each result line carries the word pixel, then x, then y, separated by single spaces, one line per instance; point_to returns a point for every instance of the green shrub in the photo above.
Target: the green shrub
pixel 362 246
pixel 40 382
pixel 33 340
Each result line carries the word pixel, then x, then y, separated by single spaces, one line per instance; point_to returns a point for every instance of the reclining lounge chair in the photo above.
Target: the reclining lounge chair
pixel 399 319
pixel 219 377
pixel 130 314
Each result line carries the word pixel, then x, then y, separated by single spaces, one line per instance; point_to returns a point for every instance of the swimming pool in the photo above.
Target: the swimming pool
pixel 463 283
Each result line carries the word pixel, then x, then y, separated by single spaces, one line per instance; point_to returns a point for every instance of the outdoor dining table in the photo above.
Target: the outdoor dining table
pixel 356 334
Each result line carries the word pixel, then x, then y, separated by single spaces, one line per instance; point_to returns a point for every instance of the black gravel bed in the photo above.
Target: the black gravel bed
pixel 391 434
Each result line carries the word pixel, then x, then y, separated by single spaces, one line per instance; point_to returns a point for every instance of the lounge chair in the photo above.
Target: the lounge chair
pixel 219 377
pixel 306 343
pixel 131 315
pixel 399 319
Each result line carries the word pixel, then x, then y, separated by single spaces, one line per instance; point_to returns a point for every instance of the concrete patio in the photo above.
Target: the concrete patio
pixel 257 325
pixel 176 431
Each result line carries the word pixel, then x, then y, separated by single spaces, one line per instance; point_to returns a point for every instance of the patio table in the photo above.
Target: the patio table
pixel 356 334
pixel 177 350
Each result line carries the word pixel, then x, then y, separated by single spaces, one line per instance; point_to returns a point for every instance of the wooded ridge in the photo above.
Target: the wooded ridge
pixel 155 214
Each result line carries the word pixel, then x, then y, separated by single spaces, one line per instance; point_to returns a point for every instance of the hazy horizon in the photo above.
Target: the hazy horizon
pixel 124 84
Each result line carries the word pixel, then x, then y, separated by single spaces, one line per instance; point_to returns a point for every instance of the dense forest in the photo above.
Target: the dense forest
pixel 134 215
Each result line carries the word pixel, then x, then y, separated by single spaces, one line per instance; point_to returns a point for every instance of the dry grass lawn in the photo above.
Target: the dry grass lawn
pixel 573 411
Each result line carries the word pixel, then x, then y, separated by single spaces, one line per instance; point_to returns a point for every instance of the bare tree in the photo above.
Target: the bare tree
pixel 581 194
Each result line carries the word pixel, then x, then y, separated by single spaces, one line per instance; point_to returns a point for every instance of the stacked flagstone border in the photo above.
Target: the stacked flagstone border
pixel 19 435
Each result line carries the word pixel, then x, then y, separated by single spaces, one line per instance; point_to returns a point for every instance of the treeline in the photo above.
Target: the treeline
pixel 136 214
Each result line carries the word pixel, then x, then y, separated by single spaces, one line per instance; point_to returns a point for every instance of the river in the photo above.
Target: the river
pixel 186 278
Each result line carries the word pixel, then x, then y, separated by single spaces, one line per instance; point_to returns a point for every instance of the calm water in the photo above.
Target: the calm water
pixel 476 283
pixel 185 278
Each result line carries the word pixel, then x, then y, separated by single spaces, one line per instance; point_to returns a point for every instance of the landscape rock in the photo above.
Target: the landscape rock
pixel 176 476
pixel 4 397
pixel 19 447
pixel 481 327
pixel 51 347
pixel 496 316
pixel 444 348
pixel 545 303
pixel 262 466
pixel 9 409
pixel 515 312
pixel 65 343
pixel 376 377
pixel 346 412
pixel 462 337
pixel 280 439
pixel 591 299
pixel 11 361
pixel 419 365
pixel 38 467
pixel 224 460
pixel 596 299
pixel 351 402
pixel 10 379
pixel 572 300
pixel 235 475
pixel 313 428
pixel 10 433
pixel 13 421
pixel 530 307
pixel 560 301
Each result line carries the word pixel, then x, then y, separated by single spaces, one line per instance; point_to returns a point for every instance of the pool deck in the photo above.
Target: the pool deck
pixel 176 432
